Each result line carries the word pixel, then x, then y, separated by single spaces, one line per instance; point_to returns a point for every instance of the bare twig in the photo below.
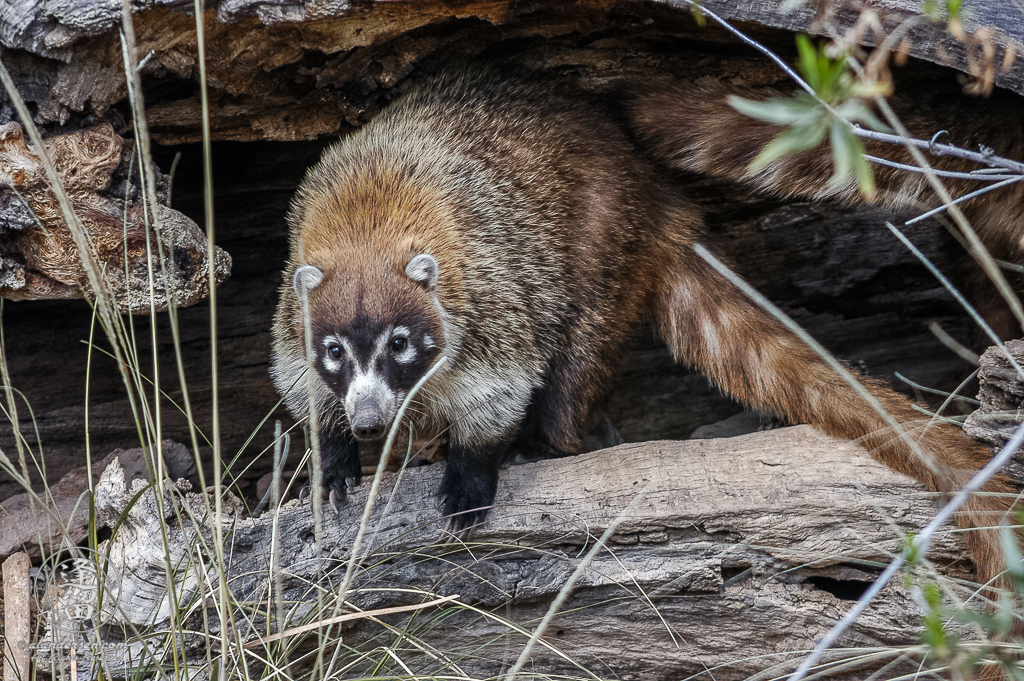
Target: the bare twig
pixel 936 149
pixel 978 192
pixel 951 174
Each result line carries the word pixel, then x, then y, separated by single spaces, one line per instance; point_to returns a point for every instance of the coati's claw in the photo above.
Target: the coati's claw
pixel 454 535
pixel 303 493
pixel 351 483
pixel 333 500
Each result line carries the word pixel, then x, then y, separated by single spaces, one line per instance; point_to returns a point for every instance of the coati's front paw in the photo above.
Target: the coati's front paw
pixel 339 463
pixel 336 489
pixel 467 493
pixel 465 512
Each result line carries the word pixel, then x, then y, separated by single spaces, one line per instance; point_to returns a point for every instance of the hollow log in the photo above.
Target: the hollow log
pixel 297 70
pixel 739 554
pixel 834 268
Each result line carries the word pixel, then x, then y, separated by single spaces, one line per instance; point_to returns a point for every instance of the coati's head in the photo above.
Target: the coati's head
pixel 375 331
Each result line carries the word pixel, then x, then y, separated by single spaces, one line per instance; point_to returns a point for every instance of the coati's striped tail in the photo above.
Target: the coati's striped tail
pixel 711 325
pixel 693 127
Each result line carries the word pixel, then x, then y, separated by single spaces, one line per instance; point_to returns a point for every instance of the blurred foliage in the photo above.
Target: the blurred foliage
pixel 1002 638
pixel 951 12
pixel 808 122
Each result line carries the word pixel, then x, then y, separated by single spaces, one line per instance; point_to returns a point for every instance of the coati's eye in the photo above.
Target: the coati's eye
pixel 334 351
pixel 399 343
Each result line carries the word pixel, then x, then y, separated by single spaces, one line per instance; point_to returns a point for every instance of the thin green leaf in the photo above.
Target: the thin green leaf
pixel 808 65
pixel 779 111
pixel 862 169
pixel 795 139
pixel 857 111
pixel 848 156
pixel 842 154
pixel 1012 556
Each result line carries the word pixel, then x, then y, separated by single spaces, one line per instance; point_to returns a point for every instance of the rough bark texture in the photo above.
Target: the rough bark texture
pixel 740 553
pixel 298 70
pixel 1001 393
pixel 42 525
pixel 38 255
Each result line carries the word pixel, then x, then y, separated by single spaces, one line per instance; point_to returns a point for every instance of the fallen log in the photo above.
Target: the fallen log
pixel 740 553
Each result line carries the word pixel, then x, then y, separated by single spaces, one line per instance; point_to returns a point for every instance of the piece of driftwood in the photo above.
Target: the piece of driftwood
pixel 38 256
pixel 740 553
pixel 17 616
pixel 45 523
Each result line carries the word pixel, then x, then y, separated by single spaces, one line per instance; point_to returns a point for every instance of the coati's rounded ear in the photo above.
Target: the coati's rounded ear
pixel 424 269
pixel 306 278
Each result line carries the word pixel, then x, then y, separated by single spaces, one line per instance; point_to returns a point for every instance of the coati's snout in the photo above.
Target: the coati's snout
pixel 372 353
pixel 371 407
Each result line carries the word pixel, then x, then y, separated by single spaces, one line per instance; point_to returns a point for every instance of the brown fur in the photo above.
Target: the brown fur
pixel 692 127
pixel 554 236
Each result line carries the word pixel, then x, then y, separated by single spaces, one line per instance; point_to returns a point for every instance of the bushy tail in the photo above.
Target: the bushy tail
pixel 692 127
pixel 711 325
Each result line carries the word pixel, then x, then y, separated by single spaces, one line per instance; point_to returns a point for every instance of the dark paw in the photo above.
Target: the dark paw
pixel 339 463
pixel 464 515
pixel 466 499
pixel 334 492
pixel 337 491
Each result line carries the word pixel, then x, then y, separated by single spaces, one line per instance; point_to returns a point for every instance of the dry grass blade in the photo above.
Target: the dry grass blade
pixel 352 616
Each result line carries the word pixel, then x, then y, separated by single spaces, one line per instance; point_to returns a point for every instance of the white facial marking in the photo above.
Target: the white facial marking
pixel 331 364
pixel 368 386
pixel 429 342
pixel 408 354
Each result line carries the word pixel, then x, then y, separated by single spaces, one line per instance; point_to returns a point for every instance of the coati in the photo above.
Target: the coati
pixel 512 226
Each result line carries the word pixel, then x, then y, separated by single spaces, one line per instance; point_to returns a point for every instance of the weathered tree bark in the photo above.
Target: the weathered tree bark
pixel 139 255
pixel 739 554
pixel 1001 393
pixel 299 70
pixel 44 524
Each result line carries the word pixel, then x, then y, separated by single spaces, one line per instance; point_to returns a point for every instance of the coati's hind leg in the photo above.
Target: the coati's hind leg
pixel 708 323
pixel 557 420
